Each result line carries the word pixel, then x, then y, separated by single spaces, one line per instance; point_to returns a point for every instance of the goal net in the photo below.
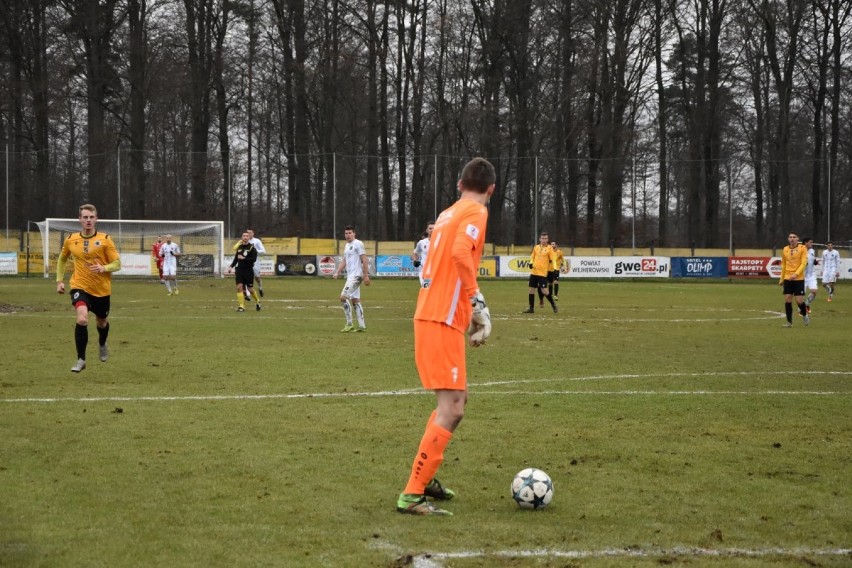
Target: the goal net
pixel 201 244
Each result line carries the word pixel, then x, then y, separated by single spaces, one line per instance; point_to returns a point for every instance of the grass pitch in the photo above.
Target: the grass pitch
pixel 680 422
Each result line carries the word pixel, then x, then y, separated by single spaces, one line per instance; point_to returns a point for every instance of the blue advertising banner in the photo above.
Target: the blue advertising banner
pixel 699 267
pixel 395 265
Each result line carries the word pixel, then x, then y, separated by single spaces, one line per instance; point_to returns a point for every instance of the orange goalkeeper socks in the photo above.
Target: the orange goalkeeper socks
pixel 430 456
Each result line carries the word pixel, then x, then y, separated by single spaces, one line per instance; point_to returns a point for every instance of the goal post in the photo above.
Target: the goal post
pixel 201 243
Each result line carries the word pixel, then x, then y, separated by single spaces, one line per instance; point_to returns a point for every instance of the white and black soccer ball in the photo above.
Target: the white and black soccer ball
pixel 532 489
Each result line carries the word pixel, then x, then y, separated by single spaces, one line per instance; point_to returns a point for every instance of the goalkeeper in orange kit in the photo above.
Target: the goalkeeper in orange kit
pixel 449 304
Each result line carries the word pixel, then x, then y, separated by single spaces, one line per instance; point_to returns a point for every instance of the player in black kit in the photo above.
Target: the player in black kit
pixel 243 267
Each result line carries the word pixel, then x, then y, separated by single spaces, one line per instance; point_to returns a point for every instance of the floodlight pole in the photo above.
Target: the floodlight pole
pixel 435 187
pixel 334 201
pixel 7 193
pixel 730 210
pixel 227 194
pixel 118 171
pixel 828 199
pixel 633 204
pixel 535 201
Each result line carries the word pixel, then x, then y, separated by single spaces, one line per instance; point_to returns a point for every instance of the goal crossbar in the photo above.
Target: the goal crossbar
pixel 202 242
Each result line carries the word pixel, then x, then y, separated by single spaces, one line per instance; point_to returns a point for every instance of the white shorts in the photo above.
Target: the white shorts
pixel 829 277
pixel 811 282
pixel 170 267
pixel 352 288
pixel 256 269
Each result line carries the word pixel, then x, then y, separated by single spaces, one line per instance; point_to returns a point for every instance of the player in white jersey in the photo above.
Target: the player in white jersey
pixel 830 268
pixel 258 246
pixel 260 250
pixel 357 271
pixel 169 253
pixel 810 273
pixel 421 250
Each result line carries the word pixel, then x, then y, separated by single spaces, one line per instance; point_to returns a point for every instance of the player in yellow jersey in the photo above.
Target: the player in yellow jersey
pixel 553 274
pixel 794 260
pixel 541 259
pixel 448 305
pixel 95 259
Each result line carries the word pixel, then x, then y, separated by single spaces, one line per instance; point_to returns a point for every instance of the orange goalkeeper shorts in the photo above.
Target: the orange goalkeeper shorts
pixel 439 356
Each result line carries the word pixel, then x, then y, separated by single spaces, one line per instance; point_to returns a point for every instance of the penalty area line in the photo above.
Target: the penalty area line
pixel 433 559
pixel 661 376
pixel 671 393
pixel 481 389
pixel 223 397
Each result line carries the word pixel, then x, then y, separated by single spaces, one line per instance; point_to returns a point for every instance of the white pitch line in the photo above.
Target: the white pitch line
pixel 219 397
pixel 433 559
pixel 661 375
pixel 474 386
pixel 239 397
pixel 674 393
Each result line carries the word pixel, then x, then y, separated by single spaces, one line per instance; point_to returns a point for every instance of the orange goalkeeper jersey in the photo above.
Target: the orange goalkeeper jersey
pixel 449 275
pixel 98 248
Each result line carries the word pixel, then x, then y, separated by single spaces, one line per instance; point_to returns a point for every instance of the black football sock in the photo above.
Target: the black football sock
pixel 802 309
pixel 556 289
pixel 81 340
pixel 103 332
pixel 532 301
pixel 788 308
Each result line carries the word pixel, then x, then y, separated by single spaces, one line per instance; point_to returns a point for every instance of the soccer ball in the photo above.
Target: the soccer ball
pixel 532 489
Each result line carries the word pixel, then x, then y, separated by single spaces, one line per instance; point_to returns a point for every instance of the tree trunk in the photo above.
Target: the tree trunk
pixel 782 66
pixel 138 43
pixel 300 196
pixel 199 15
pixel 222 108
pixel 662 127
pixel 388 231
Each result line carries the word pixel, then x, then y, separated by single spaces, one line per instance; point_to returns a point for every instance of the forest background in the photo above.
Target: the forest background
pixel 683 123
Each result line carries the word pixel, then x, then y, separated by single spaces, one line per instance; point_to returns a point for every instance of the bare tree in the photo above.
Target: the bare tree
pixel 659 21
pixel 137 20
pixel 840 14
pixel 200 18
pixel 755 121
pixel 25 30
pixel 94 24
pixel 782 22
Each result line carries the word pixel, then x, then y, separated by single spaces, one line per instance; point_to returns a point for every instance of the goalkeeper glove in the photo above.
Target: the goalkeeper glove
pixel 480 321
pixel 416 264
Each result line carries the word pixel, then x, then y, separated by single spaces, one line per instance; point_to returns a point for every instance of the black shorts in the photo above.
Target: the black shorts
pixel 553 276
pixel 98 305
pixel 244 277
pixel 794 287
pixel 538 281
